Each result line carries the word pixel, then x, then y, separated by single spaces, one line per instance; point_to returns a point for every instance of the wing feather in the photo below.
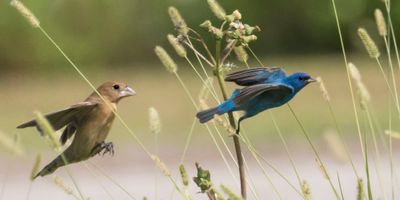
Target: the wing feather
pixel 253 91
pixel 253 76
pixel 63 117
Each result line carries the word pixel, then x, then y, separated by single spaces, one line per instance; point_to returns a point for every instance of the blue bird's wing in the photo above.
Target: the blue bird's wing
pixel 250 92
pixel 259 75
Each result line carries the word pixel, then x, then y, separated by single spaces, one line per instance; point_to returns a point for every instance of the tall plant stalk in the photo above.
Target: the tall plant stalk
pixel 239 156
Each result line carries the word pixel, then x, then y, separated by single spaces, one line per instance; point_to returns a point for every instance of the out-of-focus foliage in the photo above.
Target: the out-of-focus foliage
pixel 116 32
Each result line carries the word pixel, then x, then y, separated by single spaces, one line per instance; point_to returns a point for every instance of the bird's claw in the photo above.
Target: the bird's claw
pixel 103 148
pixel 107 148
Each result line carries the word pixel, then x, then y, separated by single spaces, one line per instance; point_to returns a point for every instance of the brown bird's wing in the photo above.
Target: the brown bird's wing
pixel 68 132
pixel 253 91
pixel 64 117
pixel 258 75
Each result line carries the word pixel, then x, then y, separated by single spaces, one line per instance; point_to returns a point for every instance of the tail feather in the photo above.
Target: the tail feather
pixel 51 167
pixel 207 115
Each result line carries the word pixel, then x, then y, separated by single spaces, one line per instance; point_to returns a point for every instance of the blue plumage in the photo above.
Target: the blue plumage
pixel 265 88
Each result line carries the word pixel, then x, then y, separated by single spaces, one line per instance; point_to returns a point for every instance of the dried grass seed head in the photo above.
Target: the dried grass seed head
pixel 180 50
pixel 217 9
pixel 354 73
pixel 166 60
pixel 360 189
pixel 24 11
pixel 184 175
pixel 48 130
pixel 369 44
pixel 392 134
pixel 60 183
pixel 161 165
pixel 305 188
pixel 241 54
pixel 178 20
pixel 205 89
pixel 231 195
pixel 10 144
pixel 380 22
pixel 154 121
pixel 323 89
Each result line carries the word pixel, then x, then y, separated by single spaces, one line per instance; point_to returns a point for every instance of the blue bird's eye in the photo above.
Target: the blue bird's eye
pixel 116 87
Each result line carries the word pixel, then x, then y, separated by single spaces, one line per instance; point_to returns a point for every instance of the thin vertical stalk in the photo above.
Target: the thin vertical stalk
pixel 348 77
pixel 232 122
pixel 314 150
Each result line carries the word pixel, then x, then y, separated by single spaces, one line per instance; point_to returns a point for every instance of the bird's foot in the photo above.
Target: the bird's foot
pixel 108 148
pixel 103 148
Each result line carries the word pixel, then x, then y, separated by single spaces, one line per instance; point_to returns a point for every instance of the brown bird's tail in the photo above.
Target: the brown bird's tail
pixel 51 167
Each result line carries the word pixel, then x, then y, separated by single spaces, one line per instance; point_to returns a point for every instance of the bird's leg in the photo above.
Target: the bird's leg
pixel 238 125
pixel 102 146
pixel 96 149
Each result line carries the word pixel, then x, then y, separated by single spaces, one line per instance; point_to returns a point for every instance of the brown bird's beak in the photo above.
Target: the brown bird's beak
pixel 310 80
pixel 127 92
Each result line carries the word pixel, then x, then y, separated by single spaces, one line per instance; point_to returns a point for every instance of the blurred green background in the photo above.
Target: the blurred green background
pixel 107 33
pixel 114 40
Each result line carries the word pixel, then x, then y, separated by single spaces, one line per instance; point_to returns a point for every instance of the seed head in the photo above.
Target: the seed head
pixel 355 74
pixel 184 175
pixel 231 195
pixel 24 11
pixel 241 54
pixel 380 22
pixel 180 50
pixel 205 89
pixel 161 165
pixel 251 29
pixel 248 38
pixel 60 183
pixel 369 44
pixel 364 93
pixel 392 134
pixel 154 121
pixel 178 20
pixel 360 189
pixel 361 88
pixel 218 11
pixel 165 59
pixel 48 130
pixel 213 30
pixel 323 89
pixel 10 144
pixel 306 190
pixel 236 15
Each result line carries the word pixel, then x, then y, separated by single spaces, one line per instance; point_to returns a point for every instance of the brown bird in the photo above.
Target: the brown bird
pixel 89 120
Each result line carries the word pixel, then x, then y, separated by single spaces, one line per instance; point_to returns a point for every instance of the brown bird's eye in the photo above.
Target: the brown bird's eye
pixel 116 87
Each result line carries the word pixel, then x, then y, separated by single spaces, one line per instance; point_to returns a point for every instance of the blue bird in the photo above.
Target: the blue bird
pixel 265 88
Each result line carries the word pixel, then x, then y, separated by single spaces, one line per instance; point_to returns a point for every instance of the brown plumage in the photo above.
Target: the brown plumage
pixel 89 120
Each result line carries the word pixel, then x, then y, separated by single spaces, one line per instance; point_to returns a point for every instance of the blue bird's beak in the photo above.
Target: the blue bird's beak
pixel 310 80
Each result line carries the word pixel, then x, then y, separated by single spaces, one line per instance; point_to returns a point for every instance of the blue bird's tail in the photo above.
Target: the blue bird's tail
pixel 207 115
